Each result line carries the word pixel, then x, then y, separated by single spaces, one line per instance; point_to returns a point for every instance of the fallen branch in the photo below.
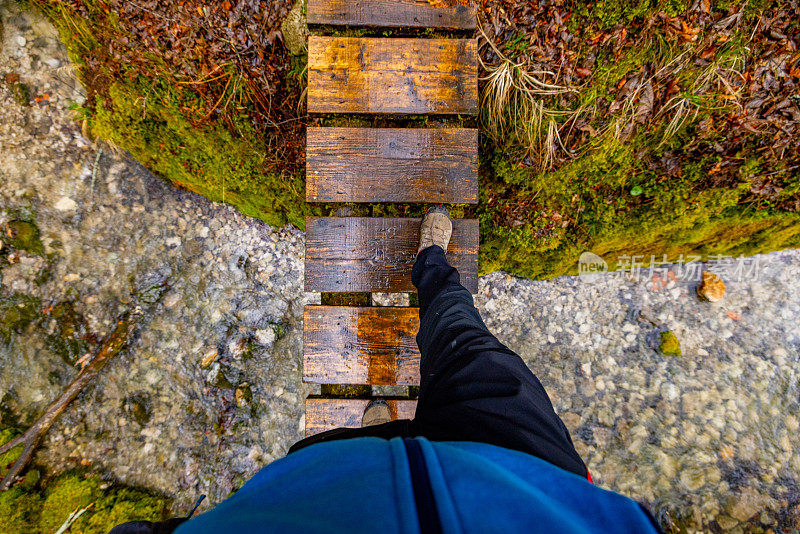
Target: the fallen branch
pixel 111 346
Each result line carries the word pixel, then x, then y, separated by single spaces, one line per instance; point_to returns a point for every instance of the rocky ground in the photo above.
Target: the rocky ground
pixel 211 389
pixel 710 434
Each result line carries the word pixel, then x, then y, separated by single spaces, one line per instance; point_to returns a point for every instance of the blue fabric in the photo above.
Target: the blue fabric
pixel 364 485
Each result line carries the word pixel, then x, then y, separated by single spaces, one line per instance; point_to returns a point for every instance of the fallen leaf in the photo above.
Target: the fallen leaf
pixel 735 316
pixel 709 53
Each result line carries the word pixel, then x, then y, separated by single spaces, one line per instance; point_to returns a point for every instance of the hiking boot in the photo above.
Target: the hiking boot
pixel 436 228
pixel 376 413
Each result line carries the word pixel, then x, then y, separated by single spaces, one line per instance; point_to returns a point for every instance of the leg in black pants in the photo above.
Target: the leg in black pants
pixel 472 387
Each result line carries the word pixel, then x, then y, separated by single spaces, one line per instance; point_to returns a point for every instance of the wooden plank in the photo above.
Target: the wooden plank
pixel 434 165
pixel 360 254
pixel 327 414
pixel 349 345
pixel 390 14
pixel 376 75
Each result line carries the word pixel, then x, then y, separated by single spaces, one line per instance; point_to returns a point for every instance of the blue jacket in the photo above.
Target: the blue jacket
pixel 415 486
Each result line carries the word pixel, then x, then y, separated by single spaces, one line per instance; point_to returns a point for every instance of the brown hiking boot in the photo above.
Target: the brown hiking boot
pixel 436 228
pixel 376 413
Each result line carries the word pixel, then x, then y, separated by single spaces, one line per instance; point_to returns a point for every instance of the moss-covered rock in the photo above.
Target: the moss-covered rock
pixel 69 337
pixel 138 407
pixel 16 313
pixel 295 29
pixel 65 495
pixel 110 505
pixel 21 93
pixel 119 506
pixel 669 346
pixel 23 235
pixel 537 223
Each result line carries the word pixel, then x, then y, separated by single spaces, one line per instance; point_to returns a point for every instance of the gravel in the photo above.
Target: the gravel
pixel 211 389
pixel 706 439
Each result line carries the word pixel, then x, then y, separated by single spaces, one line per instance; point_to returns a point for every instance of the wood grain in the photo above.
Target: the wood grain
pixel 349 345
pixel 377 75
pixel 326 414
pixel 390 14
pixel 433 165
pixel 360 254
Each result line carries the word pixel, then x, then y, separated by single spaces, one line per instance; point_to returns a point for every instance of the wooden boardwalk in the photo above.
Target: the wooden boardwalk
pixel 380 77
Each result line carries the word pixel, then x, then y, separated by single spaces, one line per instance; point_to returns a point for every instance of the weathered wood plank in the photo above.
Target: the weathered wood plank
pixel 349 345
pixel 327 414
pixel 359 254
pixel 434 165
pixel 390 14
pixel 376 75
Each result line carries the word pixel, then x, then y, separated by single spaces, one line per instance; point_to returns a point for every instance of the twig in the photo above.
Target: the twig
pixel 111 346
pixel 72 518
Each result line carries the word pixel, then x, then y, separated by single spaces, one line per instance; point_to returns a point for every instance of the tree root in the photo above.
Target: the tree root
pixel 111 346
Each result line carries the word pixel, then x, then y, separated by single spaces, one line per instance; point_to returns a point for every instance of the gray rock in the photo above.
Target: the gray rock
pixel 746 504
pixel 295 29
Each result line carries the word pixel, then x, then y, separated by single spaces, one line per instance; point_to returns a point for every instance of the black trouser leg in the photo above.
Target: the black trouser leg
pixel 472 387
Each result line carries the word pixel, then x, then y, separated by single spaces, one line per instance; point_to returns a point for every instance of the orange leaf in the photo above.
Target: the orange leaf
pixel 735 316
pixel 709 52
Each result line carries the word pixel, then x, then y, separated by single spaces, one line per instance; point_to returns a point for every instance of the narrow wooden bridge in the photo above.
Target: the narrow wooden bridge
pixel 348 258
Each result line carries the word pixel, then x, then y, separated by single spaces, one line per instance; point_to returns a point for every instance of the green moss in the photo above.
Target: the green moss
pixel 670 346
pixel 673 8
pixel 11 456
pixel 347 392
pixel 120 506
pixel 346 299
pixel 19 511
pixel 604 14
pixel 21 93
pixel 16 313
pixel 23 235
pixel 65 495
pixel 110 506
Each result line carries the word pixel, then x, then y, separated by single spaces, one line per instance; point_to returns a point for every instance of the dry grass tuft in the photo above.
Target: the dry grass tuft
pixel 513 103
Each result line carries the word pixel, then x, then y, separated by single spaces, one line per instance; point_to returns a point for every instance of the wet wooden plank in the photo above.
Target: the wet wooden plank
pixel 396 76
pixel 326 414
pixel 360 254
pixel 433 165
pixel 357 345
pixel 390 14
